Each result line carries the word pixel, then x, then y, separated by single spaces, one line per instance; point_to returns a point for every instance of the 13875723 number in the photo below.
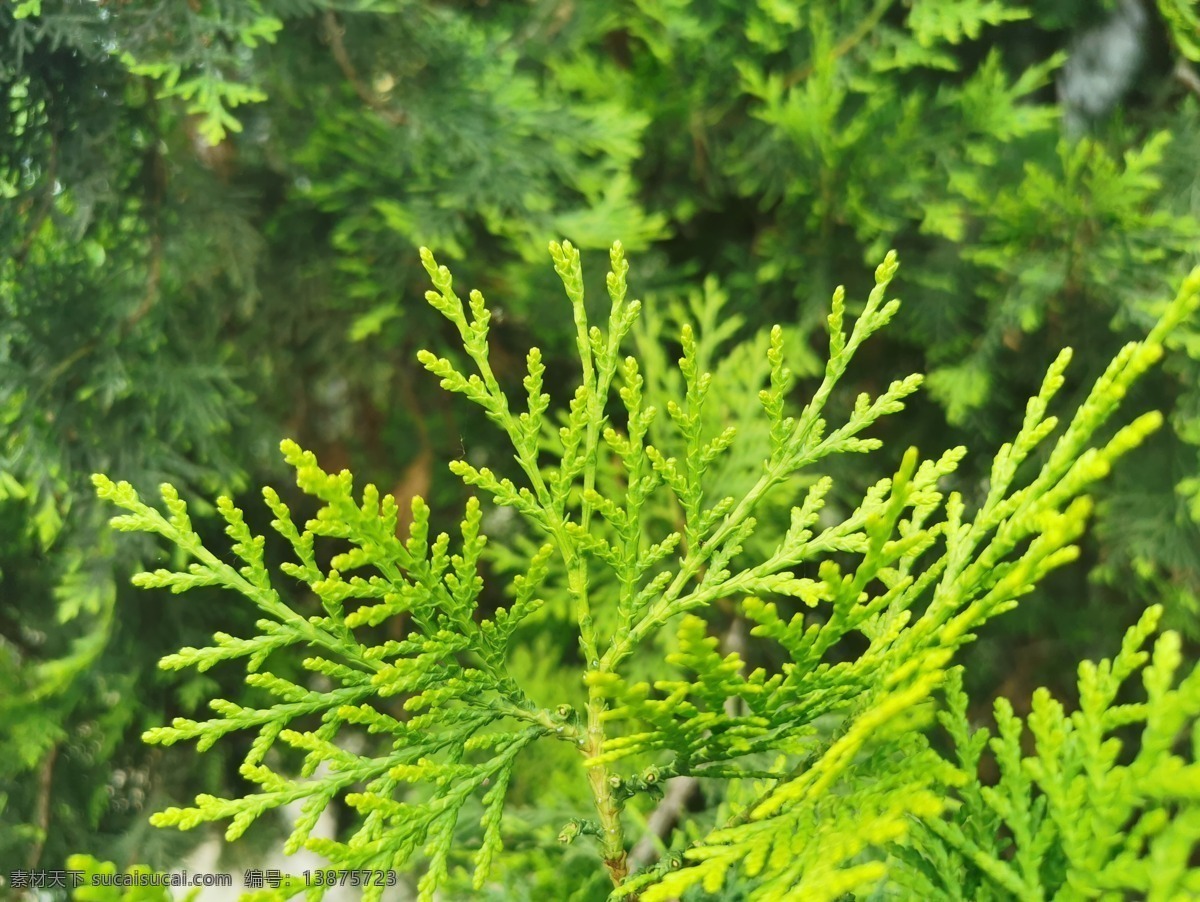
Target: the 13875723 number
pixel 330 877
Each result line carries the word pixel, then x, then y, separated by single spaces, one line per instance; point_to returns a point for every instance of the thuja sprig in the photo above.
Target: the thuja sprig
pixel 1102 802
pixel 449 671
pixel 653 591
pixel 702 575
pixel 936 580
pixel 546 500
pixel 909 572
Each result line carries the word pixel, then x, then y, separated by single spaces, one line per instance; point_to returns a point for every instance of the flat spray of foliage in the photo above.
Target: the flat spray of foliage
pixel 841 787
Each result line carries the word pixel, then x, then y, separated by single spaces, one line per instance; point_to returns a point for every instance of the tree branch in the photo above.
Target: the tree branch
pixel 1186 76
pixel 846 44
pixel 334 33
pixel 42 815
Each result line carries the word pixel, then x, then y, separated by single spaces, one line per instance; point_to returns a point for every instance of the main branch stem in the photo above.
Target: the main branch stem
pixel 612 836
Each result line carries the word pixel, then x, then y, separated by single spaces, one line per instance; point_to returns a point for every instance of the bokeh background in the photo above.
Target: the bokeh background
pixel 209 216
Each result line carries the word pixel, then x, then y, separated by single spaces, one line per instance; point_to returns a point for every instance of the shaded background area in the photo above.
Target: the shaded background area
pixel 209 215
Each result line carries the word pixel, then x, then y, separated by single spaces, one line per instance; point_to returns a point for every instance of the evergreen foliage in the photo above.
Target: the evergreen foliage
pixel 832 742
pixel 149 301
pixel 814 137
pixel 1088 814
pixel 95 375
pixel 208 220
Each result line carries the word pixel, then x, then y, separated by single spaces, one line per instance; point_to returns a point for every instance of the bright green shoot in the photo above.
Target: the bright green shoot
pixel 824 759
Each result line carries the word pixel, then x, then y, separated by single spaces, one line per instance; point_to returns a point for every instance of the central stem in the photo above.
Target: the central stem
pixel 612 837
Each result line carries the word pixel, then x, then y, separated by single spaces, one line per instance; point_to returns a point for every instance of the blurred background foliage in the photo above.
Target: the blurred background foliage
pixel 209 212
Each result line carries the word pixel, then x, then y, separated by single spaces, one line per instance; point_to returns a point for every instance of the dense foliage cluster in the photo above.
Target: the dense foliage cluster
pixel 209 220
pixel 851 770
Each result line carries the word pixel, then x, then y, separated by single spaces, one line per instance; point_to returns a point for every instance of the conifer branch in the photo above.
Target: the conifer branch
pixel 42 819
pixel 335 33
pixel 865 26
pixel 829 753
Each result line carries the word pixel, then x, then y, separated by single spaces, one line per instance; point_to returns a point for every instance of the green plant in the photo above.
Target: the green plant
pixel 791 141
pixel 89 869
pixel 825 755
pixel 1089 814
pixel 186 368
